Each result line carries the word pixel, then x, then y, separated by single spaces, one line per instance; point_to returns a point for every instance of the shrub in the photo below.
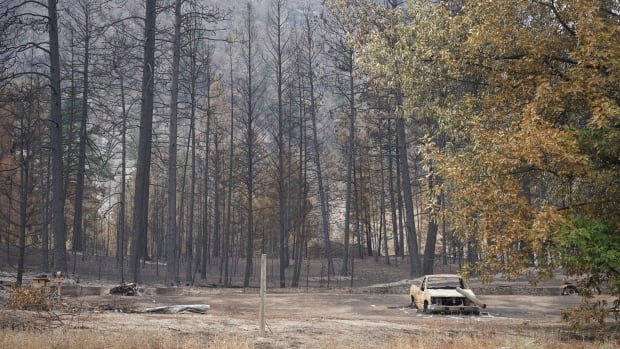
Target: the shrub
pixel 27 298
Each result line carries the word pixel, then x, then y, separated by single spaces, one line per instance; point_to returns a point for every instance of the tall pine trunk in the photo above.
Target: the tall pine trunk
pixel 302 179
pixel 122 231
pixel 24 187
pixel 56 139
pixel 282 175
pixel 172 251
pixel 431 235
pixel 392 189
pixel 141 196
pixel 77 245
pixel 44 166
pixel 349 176
pixel 415 266
pixel 310 62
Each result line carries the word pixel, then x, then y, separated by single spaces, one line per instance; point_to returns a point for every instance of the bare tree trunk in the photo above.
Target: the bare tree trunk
pixel 77 244
pixel 45 184
pixel 24 178
pixel 172 253
pixel 183 203
pixel 401 204
pixel 277 23
pixel 349 176
pixel 58 208
pixel 382 205
pixel 69 124
pixel 392 195
pixel 310 62
pixel 224 263
pixel 252 89
pixel 217 198
pixel 192 190
pixel 9 229
pixel 122 231
pixel 431 236
pixel 358 208
pixel 231 150
pixel 403 171
pixel 302 179
pixel 78 224
pixel 230 165
pixel 364 215
pixel 141 196
pixel 444 242
pixel 206 202
pixel 415 266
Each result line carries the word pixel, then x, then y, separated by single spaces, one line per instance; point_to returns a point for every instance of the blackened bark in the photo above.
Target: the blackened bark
pixel 56 138
pixel 172 253
pixel 415 266
pixel 141 196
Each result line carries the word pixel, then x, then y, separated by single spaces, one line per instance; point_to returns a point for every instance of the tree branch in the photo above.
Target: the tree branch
pixel 556 13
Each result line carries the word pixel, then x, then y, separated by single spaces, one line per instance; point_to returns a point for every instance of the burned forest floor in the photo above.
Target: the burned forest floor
pixel 370 311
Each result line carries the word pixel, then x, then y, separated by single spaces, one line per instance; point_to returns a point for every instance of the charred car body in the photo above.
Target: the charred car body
pixel 444 293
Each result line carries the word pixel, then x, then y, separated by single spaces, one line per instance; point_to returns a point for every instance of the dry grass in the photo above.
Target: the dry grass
pixel 70 339
pixel 489 342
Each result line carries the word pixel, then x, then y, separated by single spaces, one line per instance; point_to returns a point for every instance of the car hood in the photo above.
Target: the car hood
pixel 443 293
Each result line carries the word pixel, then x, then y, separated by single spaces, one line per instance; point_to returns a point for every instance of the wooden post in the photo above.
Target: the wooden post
pixel 263 293
pixel 58 277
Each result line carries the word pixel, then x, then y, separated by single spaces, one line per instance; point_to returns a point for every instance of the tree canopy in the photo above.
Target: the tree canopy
pixel 491 127
pixel 526 97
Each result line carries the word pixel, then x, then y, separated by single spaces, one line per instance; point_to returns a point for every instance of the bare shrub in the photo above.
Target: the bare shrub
pixel 27 298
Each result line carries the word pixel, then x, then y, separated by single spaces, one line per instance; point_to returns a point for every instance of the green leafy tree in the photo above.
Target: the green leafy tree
pixel 590 249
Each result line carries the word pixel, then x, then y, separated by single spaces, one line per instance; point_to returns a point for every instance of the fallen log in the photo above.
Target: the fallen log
pixel 177 309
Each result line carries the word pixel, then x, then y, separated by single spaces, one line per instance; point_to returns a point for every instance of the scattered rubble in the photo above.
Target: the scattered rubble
pixel 178 309
pixel 124 290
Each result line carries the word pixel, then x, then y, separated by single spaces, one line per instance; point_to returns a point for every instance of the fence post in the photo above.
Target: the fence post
pixel 263 293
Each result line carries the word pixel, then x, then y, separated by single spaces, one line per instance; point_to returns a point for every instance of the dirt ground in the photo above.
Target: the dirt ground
pixel 315 319
pixel 366 313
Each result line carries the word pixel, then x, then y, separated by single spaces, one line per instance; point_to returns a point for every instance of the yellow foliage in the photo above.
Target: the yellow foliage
pixel 526 95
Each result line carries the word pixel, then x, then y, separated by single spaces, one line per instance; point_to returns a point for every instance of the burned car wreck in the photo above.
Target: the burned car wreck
pixel 444 293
